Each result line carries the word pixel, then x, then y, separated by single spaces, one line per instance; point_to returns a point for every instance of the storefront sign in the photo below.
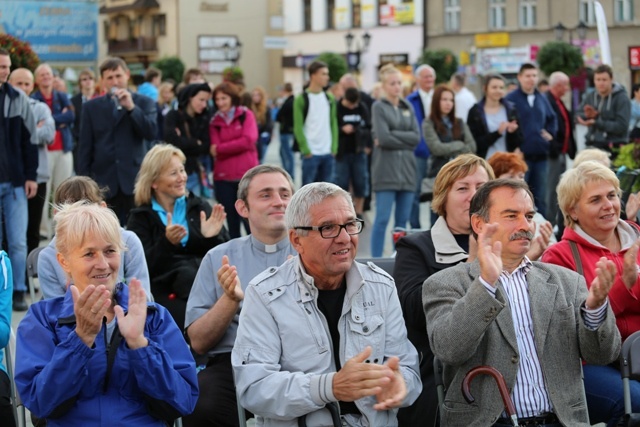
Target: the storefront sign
pixel 492 40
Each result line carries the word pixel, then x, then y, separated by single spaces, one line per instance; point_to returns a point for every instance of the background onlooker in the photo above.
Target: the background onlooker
pixel 606 111
pixel 634 121
pixel 493 121
pixel 152 79
pixel 187 128
pixel 354 144
pixel 262 112
pixel 59 152
pixel 233 133
pixel 465 99
pixel 446 135
pixel 45 132
pixel 87 85
pixel 393 169
pixel 285 118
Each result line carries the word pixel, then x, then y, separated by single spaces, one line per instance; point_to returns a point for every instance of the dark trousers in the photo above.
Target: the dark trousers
pixel 217 405
pixel 227 194
pixel 35 205
pixel 121 204
pixel 6 410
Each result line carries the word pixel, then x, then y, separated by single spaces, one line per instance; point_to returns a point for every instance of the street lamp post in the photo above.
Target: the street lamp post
pixel 354 52
pixel 232 51
pixel 581 29
pixel 300 64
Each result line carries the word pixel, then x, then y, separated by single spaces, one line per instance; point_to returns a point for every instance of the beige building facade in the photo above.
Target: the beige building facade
pixel 203 33
pixel 486 35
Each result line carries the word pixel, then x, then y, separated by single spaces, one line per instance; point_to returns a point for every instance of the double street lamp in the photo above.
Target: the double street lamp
pixel 232 51
pixel 353 55
pixel 581 29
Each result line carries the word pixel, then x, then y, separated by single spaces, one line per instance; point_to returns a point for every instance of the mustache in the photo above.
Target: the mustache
pixel 521 235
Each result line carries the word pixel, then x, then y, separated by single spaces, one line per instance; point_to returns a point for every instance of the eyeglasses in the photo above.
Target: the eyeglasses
pixel 331 231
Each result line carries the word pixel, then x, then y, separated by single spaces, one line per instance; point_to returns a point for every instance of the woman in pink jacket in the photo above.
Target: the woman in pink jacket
pixel 234 132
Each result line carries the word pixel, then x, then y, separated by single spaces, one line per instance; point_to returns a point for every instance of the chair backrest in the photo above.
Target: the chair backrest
pixel 630 357
pixel 386 264
pixel 32 271
pixel 629 367
pixel 19 412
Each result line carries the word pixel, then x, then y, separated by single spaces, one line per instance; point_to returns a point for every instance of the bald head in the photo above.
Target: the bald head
pixel 23 79
pixel 348 80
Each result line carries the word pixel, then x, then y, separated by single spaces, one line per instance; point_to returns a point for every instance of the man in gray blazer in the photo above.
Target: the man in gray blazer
pixel 531 321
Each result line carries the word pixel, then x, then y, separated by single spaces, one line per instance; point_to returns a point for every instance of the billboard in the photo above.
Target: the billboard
pixel 58 31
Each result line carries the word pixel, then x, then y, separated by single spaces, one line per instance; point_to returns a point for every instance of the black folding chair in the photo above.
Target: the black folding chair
pixel 630 370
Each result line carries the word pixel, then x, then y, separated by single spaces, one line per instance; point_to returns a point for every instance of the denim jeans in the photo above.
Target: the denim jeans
pixel 421 173
pixel 536 177
pixel 384 204
pixel 14 215
pixel 318 168
pixel 286 153
pixel 352 168
pixel 603 387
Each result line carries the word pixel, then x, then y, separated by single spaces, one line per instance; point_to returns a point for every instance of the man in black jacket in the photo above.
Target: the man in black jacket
pixel 563 144
pixel 285 118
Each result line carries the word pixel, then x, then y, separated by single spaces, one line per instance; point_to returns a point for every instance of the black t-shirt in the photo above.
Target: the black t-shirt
pixel 349 116
pixel 330 304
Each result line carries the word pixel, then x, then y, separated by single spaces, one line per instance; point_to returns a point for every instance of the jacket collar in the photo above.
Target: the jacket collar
pixel 628 235
pixel 447 249
pixel 309 291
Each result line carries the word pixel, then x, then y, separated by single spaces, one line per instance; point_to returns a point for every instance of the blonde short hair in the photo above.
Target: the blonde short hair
pixel 152 166
pixel 593 154
pixel 458 168
pixel 76 221
pixel 574 180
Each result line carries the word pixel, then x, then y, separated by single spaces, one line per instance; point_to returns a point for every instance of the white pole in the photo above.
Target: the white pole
pixel 603 33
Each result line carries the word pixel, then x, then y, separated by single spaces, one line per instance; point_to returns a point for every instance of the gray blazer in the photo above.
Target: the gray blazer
pixel 468 327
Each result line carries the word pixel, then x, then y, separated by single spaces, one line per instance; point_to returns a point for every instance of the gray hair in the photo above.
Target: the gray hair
pixel 557 77
pixel 424 67
pixel 297 213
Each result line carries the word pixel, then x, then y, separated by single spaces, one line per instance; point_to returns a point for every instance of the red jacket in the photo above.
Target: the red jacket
pixel 235 144
pixel 625 303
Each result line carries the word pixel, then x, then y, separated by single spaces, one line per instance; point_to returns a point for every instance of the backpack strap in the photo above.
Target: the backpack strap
pixel 576 257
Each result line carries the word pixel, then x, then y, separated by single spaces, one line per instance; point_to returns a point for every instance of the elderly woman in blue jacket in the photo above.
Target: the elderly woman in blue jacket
pixel 101 355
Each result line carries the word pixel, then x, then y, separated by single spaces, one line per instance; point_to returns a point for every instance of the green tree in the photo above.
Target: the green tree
pixel 234 75
pixel 20 52
pixel 560 56
pixel 172 67
pixel 443 61
pixel 336 63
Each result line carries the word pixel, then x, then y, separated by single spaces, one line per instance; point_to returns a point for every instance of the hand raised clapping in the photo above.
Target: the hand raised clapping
pixel 174 232
pixel 489 254
pixel 132 324
pixel 229 280
pixel 211 226
pixel 601 285
pixel 90 307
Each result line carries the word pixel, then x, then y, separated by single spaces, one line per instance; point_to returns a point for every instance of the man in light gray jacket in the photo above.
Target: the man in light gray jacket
pixel 533 322
pixel 322 329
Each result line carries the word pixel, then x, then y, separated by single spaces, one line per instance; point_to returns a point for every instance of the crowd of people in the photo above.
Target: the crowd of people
pixel 186 277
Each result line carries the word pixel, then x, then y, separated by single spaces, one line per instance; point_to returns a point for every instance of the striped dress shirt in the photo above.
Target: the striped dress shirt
pixel 529 395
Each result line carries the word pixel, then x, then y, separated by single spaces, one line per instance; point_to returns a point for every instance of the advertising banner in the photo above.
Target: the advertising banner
pixel 57 30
